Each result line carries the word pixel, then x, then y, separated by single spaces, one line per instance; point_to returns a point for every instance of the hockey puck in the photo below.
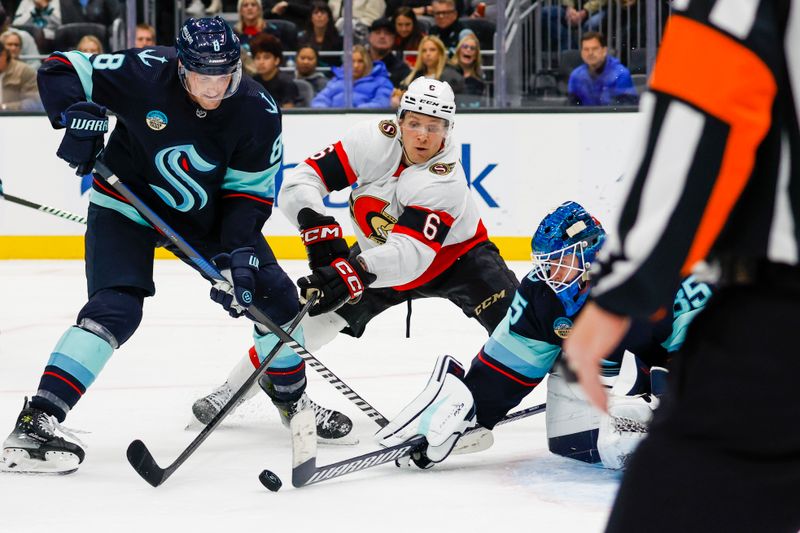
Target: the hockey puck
pixel 270 479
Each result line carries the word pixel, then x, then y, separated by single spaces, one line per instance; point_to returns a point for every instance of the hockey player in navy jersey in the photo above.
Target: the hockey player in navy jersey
pixel 419 231
pixel 200 145
pixel 526 346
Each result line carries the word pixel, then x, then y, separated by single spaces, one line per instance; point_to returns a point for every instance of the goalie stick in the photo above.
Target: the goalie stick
pixel 41 207
pixel 304 449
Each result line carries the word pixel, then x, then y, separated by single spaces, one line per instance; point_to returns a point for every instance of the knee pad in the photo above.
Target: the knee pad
pixel 276 294
pixel 112 314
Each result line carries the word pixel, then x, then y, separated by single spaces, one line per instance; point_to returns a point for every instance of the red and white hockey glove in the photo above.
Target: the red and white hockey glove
pixel 322 237
pixel 337 284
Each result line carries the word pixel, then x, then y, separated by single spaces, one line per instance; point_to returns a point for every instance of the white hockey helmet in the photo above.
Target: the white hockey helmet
pixel 430 97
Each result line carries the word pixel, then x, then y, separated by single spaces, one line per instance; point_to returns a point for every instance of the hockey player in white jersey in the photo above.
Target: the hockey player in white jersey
pixel 419 231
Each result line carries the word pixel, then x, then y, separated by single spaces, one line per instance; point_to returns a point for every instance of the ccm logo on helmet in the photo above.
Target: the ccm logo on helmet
pixel 429 102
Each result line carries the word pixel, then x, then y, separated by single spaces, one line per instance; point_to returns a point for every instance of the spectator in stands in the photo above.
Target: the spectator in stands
pixel 467 61
pixel 97 11
pixel 447 26
pixel 295 11
pixel 89 44
pixel 44 14
pixel 18 90
pixel 602 80
pixel 15 42
pixel 306 68
pixel 562 22
pixel 372 87
pixel 321 33
pixel 267 55
pixel 431 63
pixel 364 14
pixel 251 20
pixel 381 40
pixel 145 36
pixel 408 34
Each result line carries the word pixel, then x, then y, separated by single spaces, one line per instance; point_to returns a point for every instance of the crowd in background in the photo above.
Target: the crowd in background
pixel 294 48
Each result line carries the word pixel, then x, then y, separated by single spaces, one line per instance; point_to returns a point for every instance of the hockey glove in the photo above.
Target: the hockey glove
pixel 322 236
pixel 86 123
pixel 337 283
pixel 239 268
pixel 442 413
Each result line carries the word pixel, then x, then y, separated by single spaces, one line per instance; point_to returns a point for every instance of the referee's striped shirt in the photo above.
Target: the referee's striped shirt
pixel 716 171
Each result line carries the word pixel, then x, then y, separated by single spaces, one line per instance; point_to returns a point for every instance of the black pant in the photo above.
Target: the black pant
pixel 723 452
pixel 479 283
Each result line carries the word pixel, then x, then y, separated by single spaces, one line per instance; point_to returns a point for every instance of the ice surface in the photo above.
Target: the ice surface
pixel 184 348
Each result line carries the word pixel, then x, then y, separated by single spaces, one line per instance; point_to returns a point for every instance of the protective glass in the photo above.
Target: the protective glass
pixel 562 268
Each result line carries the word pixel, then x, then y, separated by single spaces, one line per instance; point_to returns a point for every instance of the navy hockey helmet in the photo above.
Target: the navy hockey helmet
pixel 563 248
pixel 208 46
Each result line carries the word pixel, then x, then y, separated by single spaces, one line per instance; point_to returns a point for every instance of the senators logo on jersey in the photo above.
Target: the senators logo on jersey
pixel 368 214
pixel 441 169
pixel 388 128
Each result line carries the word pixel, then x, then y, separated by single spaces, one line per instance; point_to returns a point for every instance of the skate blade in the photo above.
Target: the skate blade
pixel 18 461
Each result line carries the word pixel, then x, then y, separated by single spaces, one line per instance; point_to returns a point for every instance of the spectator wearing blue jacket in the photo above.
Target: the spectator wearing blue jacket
pixel 602 80
pixel 371 84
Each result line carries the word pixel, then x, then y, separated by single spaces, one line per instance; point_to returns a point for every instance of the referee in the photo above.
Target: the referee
pixel 715 189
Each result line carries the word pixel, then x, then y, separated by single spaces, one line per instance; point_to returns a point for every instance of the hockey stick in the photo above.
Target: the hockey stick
pixel 142 460
pixel 211 271
pixel 41 207
pixel 304 450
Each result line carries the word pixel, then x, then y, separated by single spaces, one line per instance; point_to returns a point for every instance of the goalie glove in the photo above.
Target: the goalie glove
pixel 624 427
pixel 442 413
pixel 322 237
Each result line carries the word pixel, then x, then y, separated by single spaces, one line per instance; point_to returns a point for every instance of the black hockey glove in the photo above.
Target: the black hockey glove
pixel 337 283
pixel 322 236
pixel 240 267
pixel 86 123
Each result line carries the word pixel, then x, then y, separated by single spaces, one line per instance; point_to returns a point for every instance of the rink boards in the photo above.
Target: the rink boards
pixel 519 165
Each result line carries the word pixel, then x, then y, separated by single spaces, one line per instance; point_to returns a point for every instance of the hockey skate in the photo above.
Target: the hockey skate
pixel 207 407
pixel 35 448
pixel 333 427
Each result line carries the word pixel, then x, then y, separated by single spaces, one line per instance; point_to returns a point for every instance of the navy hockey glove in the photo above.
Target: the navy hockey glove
pixel 322 236
pixel 239 268
pixel 86 123
pixel 338 283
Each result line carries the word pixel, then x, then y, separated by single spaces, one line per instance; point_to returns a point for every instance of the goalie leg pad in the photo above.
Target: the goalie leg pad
pixel 572 424
pixel 441 413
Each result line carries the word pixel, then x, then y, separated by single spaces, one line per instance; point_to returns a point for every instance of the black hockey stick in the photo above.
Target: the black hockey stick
pixel 142 460
pixel 211 271
pixel 41 207
pixel 304 450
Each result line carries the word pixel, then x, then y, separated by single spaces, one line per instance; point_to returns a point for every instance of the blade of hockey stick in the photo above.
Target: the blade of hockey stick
pixel 41 207
pixel 304 450
pixel 207 268
pixel 142 460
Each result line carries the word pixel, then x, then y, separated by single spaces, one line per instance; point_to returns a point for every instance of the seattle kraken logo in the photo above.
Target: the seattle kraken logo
pixel 173 163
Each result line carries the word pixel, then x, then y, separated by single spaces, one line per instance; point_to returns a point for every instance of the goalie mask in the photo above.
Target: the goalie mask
pixel 430 97
pixel 563 248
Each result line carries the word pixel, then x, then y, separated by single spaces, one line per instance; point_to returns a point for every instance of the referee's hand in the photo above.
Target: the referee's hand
pixel 595 334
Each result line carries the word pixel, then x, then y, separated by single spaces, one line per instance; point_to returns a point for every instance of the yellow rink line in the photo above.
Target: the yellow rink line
pixel 285 247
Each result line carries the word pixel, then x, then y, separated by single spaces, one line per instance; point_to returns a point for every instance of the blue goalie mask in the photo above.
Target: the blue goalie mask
pixel 563 248
pixel 210 58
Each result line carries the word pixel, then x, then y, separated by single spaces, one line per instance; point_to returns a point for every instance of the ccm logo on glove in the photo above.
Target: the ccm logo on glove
pixel 354 285
pixel 321 234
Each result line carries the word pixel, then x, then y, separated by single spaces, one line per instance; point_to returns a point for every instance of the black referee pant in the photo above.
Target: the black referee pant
pixel 723 452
